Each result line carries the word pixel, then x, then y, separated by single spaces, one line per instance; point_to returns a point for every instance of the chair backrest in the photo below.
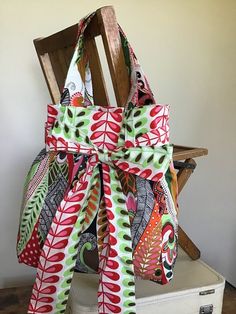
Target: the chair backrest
pixel 55 53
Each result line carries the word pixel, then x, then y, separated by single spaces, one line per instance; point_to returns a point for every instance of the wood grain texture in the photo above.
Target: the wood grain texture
pixel 63 39
pixel 50 77
pixel 184 241
pixel 184 174
pixel 114 53
pixel 55 53
pixel 188 246
pixel 184 152
pixel 100 94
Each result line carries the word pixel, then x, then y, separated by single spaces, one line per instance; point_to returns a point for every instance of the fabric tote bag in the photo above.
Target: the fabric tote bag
pixel 101 197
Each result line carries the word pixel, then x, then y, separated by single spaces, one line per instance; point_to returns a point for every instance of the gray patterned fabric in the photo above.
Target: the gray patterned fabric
pixel 145 203
pixel 88 242
pixel 53 199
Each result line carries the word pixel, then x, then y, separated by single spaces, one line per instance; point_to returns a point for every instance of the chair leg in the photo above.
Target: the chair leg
pixel 184 173
pixel 188 246
pixel 184 241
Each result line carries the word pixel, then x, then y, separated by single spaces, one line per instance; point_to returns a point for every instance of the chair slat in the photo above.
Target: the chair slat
pixel 99 88
pixel 114 53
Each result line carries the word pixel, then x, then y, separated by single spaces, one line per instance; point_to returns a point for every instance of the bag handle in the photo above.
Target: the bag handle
pixel 78 89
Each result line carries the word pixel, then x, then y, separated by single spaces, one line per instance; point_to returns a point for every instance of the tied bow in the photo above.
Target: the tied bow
pixel 148 162
pixel 116 291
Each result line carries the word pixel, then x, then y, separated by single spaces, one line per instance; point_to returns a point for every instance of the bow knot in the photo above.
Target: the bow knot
pixel 103 155
pixel 147 162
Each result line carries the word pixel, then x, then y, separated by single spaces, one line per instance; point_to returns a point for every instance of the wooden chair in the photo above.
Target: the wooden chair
pixel 55 53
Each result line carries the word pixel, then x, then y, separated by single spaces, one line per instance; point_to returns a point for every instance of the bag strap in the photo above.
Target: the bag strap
pixel 78 89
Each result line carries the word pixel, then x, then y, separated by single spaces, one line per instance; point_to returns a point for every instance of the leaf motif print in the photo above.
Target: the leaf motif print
pixel 57 184
pixel 112 296
pixel 106 128
pixel 93 204
pixel 33 205
pixel 52 256
pixel 86 183
pixel 155 137
pixel 129 189
pixel 102 223
pixel 113 126
pixel 35 175
pixel 148 250
pixel 110 135
pixel 160 115
pixel 145 204
pixel 127 181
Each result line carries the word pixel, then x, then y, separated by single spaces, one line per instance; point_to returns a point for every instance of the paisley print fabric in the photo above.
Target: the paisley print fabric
pixel 102 197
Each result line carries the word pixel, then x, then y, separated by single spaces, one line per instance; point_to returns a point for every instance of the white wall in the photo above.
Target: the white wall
pixel 187 48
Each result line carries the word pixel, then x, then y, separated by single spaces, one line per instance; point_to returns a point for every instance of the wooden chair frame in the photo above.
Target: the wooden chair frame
pixel 55 53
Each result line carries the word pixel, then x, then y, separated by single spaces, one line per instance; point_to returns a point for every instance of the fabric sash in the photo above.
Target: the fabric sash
pixel 116 293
